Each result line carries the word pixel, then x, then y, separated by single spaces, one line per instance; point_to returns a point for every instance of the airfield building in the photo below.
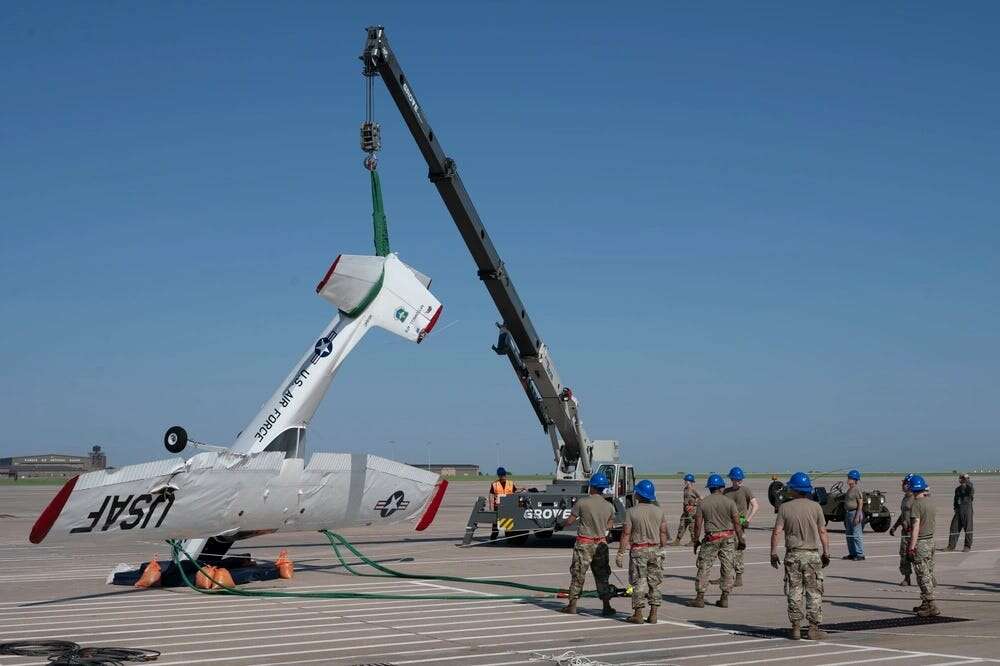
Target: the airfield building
pixel 52 465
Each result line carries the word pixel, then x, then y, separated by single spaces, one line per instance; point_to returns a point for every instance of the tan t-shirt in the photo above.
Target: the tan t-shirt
pixel 718 512
pixel 802 519
pixel 923 510
pixel 644 522
pixel 691 498
pixel 741 496
pixel 592 514
pixel 853 499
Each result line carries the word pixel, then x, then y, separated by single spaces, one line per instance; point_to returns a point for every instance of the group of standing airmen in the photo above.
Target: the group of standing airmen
pixel 717 523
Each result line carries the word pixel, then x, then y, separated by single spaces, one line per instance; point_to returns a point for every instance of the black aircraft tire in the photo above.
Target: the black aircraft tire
pixel 175 439
pixel 880 523
pixel 774 492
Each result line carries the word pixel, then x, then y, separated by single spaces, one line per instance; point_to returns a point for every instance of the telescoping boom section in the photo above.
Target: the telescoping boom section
pixel 553 403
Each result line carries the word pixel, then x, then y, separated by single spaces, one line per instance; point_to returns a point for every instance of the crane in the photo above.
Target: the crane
pixel 576 456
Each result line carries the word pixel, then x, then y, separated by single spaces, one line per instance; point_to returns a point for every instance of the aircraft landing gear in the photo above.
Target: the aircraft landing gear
pixel 175 439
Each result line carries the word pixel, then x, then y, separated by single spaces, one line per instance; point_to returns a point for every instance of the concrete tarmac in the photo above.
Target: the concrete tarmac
pixel 59 592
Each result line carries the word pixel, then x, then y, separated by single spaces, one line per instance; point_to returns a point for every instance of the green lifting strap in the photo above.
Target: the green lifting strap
pixel 378 218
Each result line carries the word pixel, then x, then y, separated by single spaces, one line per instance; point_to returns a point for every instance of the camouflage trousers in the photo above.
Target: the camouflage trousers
pixel 686 523
pixel 593 556
pixel 725 550
pixel 923 566
pixel 645 573
pixel 905 567
pixel 804 578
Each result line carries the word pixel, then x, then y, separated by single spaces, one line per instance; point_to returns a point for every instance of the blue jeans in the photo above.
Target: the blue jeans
pixel 855 538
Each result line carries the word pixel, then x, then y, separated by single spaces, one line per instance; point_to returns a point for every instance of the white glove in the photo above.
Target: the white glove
pixel 620 560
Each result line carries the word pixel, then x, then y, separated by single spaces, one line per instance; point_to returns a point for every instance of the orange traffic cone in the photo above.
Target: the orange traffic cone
pixel 285 566
pixel 150 575
pixel 203 581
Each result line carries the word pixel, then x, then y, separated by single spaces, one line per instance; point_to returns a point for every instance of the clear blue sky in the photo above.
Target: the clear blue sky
pixel 763 235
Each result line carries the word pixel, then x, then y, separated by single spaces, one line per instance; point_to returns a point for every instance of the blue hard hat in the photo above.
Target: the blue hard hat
pixel 599 481
pixel 854 475
pixel 646 490
pixel 689 477
pixel 801 483
pixel 917 483
pixel 736 474
pixel 715 481
pixel 501 471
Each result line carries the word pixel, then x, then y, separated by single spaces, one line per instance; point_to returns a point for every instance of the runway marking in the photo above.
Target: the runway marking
pixel 453 589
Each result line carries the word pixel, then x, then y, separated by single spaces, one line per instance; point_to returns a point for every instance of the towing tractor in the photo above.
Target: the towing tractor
pixel 876 511
pixel 576 456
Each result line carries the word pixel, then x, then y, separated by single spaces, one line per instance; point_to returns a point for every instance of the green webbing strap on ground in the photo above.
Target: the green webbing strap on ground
pixel 336 542
pixel 378 218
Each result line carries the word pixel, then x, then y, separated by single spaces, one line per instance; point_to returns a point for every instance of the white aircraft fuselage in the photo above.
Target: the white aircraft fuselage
pixel 263 483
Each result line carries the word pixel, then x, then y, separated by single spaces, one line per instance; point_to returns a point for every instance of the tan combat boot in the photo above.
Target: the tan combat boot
pixel 930 610
pixel 739 581
pixel 796 632
pixel 922 606
pixel 652 615
pixel 815 633
pixel 608 610
pixel 636 617
pixel 723 601
pixel 698 601
pixel 676 542
pixel 569 608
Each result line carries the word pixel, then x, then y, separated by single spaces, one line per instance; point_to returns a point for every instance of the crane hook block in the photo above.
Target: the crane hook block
pixel 371 137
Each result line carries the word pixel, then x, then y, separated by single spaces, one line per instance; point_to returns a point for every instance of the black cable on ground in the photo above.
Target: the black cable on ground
pixel 68 653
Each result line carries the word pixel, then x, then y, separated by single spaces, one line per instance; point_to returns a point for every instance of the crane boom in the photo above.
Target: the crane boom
pixel 553 403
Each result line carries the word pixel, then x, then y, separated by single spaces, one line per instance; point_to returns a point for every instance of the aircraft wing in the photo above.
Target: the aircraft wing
pixel 224 494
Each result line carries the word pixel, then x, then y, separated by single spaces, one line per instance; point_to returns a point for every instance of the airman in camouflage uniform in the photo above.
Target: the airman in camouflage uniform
pixel 921 550
pixel 718 515
pixel 903 523
pixel 688 509
pixel 800 520
pixel 645 535
pixel 594 516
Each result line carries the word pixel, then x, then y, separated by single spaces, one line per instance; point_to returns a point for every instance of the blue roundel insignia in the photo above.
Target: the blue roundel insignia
pixel 324 347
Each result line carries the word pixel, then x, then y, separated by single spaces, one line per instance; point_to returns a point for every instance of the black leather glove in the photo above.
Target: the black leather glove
pixel 741 545
pixel 558 526
pixel 696 544
pixel 825 559
pixel 775 562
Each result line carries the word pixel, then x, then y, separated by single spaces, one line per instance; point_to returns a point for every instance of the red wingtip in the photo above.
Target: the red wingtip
pixel 430 325
pixel 432 506
pixel 51 512
pixel 333 267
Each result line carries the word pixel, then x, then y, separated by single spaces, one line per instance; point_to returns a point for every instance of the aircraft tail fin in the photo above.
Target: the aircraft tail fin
pixel 396 295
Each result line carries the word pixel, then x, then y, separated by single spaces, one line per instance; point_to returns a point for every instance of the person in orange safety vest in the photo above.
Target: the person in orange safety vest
pixel 499 488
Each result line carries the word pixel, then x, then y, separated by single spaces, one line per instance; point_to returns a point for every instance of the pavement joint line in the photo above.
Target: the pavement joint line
pixel 260 632
pixel 587 647
pixel 262 612
pixel 865 661
pixel 855 650
pixel 802 645
pixel 453 589
pixel 919 653
pixel 973 660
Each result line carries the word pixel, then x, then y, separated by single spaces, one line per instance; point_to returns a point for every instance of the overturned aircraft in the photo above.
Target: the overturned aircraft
pixel 262 483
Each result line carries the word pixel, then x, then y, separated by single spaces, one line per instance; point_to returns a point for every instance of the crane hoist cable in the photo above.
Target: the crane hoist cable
pixel 371 143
